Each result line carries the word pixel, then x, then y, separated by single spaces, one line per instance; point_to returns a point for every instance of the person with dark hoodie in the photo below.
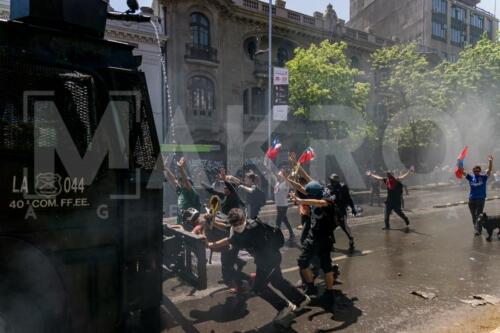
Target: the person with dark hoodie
pixel 342 200
pixel 394 197
pixel 259 239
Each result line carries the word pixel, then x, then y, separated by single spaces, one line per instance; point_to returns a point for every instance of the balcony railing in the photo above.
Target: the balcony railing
pixel 201 52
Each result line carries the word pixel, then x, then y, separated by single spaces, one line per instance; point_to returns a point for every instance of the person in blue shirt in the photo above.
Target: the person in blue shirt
pixel 477 181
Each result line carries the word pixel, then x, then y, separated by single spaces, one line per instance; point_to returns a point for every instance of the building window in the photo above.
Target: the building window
pixel 476 27
pixel 201 96
pixel 458 37
pixel 439 31
pixel 254 101
pixel 283 56
pixel 458 13
pixel 250 47
pixel 489 28
pixel 440 6
pixel 200 30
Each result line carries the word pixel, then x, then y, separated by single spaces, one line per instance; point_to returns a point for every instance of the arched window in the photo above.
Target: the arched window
pixel 254 101
pixel 283 56
pixel 200 30
pixel 201 96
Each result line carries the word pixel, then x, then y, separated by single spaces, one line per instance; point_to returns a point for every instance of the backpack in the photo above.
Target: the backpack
pixel 273 236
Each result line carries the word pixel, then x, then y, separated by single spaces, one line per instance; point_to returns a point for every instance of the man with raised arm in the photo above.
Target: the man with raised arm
pixel 394 196
pixel 477 197
pixel 187 197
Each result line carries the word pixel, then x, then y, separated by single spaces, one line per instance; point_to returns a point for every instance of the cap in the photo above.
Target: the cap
pixel 334 176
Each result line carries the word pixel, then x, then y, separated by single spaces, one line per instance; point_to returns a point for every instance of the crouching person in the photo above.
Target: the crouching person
pixel 319 240
pixel 263 242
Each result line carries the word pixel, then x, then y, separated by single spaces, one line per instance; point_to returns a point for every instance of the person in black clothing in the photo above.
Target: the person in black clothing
pixel 342 200
pixel 394 197
pixel 319 240
pixel 229 198
pixel 253 195
pixel 251 236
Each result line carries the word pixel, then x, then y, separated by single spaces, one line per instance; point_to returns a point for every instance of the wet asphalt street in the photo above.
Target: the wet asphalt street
pixel 440 254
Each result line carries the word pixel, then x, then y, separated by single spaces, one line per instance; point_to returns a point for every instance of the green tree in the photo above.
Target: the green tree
pixel 322 75
pixel 406 82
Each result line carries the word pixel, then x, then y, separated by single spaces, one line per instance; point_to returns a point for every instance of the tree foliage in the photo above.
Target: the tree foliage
pixel 322 75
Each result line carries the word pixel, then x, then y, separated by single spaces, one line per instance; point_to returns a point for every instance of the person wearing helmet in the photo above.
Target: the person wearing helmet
pixel 319 240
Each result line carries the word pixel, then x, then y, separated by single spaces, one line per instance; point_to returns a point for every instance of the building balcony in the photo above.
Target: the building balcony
pixel 201 54
pixel 251 121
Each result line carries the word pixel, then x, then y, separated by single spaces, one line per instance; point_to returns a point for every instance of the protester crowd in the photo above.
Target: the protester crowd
pixel 237 225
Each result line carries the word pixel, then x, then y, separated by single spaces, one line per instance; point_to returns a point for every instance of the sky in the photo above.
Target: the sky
pixel 310 6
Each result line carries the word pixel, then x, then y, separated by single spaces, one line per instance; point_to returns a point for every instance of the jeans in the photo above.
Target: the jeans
pixel 281 217
pixel 269 271
pixel 476 207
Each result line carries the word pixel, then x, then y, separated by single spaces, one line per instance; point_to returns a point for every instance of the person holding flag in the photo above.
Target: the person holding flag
pixel 460 163
pixel 477 195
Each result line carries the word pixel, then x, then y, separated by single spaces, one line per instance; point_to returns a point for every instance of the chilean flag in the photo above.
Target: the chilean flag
pixel 307 155
pixel 272 152
pixel 460 163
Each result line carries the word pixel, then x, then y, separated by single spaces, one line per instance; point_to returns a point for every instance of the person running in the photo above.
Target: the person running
pixel 281 190
pixel 342 200
pixel 256 237
pixel 319 240
pixel 477 195
pixel 187 197
pixel 394 197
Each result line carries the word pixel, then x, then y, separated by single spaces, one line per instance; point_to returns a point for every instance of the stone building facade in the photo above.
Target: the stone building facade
pixel 442 27
pixel 217 67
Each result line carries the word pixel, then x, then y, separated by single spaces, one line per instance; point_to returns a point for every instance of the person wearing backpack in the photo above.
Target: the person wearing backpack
pixel 319 240
pixel 263 242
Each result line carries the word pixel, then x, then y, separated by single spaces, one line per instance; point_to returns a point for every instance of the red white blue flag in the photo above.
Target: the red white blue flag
pixel 307 155
pixel 460 163
pixel 272 152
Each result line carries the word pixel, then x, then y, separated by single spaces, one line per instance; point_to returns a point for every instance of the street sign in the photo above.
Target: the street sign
pixel 280 76
pixel 280 95
pixel 280 112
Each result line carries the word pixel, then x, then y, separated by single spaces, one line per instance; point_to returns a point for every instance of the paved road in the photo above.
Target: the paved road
pixel 439 255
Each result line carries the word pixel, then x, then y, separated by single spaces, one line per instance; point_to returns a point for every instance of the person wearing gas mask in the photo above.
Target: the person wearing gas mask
pixel 319 240
pixel 263 242
pixel 342 200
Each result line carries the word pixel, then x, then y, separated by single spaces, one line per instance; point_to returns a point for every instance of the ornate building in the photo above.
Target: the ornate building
pixel 217 67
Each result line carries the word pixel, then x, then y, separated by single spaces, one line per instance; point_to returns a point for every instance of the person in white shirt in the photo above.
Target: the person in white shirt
pixel 281 190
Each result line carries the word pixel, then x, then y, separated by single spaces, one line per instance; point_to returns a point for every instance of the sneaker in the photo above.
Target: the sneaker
pixel 310 290
pixel 386 228
pixel 476 233
pixel 284 317
pixel 351 245
pixel 407 222
pixel 307 300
